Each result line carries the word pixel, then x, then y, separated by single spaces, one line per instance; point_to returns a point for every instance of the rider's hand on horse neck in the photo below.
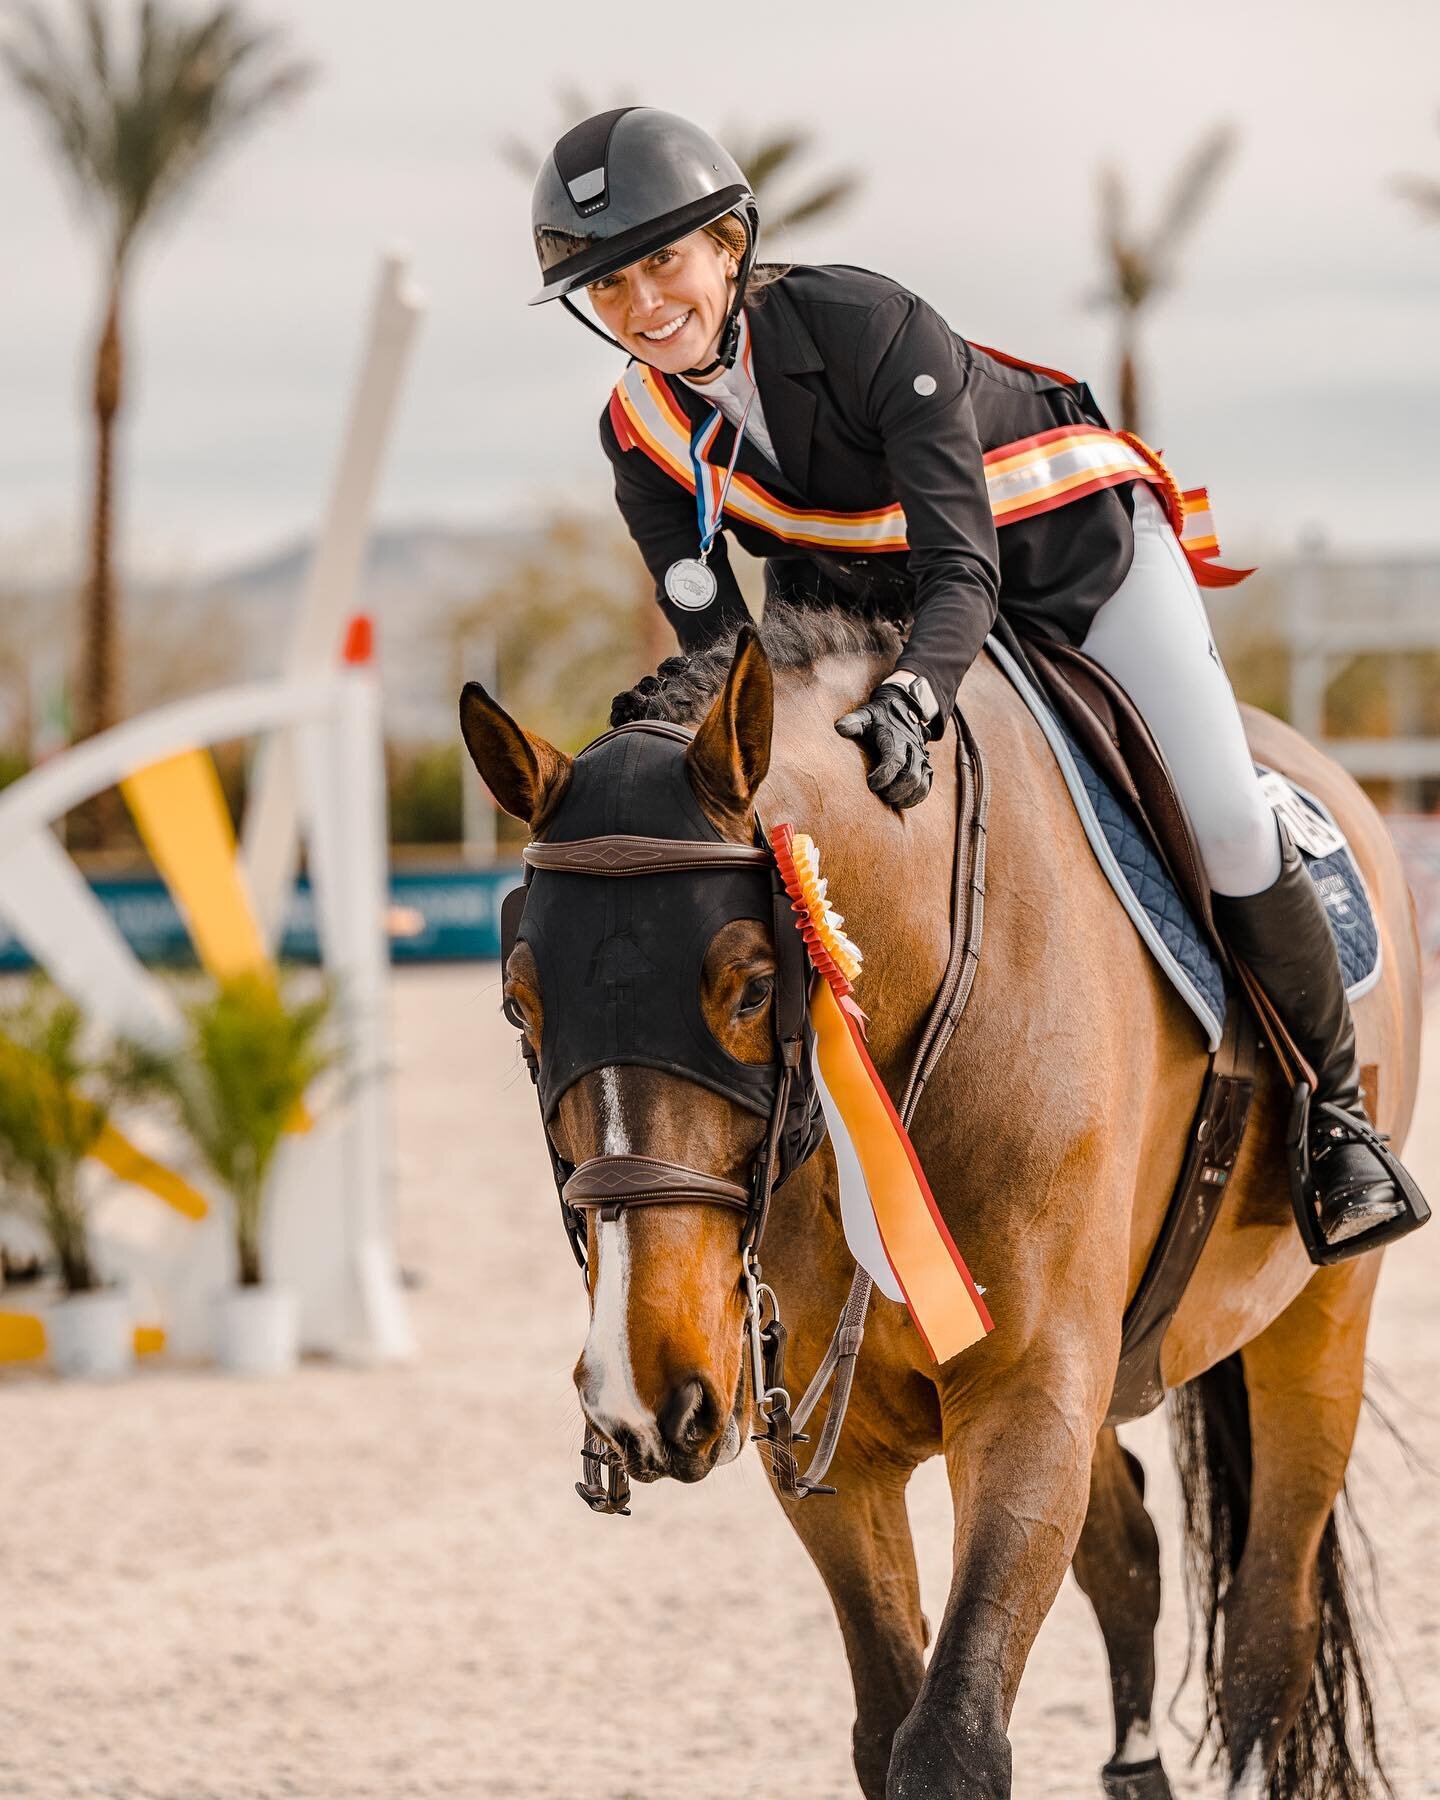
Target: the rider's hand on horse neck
pixel 892 728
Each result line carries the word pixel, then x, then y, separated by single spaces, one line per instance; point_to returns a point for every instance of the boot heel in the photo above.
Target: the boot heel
pixel 1414 1209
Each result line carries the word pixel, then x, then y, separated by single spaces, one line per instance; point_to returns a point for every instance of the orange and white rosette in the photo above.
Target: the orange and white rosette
pixel 892 1224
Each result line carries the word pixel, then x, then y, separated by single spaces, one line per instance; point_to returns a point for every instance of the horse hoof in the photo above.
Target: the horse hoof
pixel 1136 1781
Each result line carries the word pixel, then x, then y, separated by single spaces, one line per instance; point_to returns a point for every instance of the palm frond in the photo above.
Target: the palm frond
pixel 517 154
pixel 824 199
pixel 132 139
pixel 1191 190
pixel 97 41
pixel 769 156
pixel 42 71
pixel 1129 275
pixel 574 104
pixel 1422 194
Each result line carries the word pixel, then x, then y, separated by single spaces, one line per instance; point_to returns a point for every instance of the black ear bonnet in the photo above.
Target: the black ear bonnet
pixel 620 959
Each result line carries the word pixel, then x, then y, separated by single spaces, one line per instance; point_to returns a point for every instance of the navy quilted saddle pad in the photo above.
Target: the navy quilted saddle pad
pixel 1150 897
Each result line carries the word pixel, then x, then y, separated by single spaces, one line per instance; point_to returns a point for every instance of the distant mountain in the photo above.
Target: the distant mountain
pixel 416 581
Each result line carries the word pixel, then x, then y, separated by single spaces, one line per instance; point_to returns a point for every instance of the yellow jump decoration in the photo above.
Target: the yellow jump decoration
pixel 22 1337
pixel 180 810
pixel 130 1163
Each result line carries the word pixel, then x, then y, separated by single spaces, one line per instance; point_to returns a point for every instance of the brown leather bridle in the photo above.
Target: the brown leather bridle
pixel 609 1184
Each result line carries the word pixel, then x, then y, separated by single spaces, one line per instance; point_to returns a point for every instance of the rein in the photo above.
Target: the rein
pixel 608 1184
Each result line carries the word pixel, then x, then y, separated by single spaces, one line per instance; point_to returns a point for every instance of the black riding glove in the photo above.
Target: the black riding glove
pixel 891 726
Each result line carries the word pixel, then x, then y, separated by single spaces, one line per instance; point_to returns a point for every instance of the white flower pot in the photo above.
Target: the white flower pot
pixel 91 1337
pixel 258 1330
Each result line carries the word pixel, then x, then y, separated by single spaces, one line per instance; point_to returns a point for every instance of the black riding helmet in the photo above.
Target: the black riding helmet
pixel 623 185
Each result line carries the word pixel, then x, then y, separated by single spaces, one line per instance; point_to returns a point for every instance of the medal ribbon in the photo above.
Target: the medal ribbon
pixel 710 488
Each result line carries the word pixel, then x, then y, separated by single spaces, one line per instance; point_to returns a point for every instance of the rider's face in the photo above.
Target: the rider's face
pixel 668 308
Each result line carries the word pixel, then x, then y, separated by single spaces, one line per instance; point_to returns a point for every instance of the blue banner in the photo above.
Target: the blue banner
pixel 441 915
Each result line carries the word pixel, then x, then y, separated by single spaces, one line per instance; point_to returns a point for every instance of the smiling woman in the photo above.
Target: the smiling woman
pixel 670 307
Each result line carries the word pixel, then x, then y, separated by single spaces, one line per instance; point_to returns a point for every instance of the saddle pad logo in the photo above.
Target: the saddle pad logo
pixel 1334 891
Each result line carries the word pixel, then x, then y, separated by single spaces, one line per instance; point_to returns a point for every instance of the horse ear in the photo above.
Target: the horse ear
pixel 525 774
pixel 730 753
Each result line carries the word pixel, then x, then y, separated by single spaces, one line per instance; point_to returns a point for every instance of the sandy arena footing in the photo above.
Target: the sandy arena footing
pixel 381 1586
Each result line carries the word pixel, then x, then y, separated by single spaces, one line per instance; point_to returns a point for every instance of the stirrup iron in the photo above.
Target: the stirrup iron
pixel 1414 1209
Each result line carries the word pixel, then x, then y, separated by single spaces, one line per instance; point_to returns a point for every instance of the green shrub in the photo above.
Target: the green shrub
pixel 54 1103
pixel 235 1085
pixel 425 801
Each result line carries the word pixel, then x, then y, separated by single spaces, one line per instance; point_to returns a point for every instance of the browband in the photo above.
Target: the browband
pixel 620 854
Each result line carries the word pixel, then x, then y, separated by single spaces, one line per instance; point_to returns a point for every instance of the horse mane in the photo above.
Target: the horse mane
pixel 681 689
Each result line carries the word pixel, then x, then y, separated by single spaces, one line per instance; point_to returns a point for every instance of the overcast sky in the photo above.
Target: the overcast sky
pixel 1296 368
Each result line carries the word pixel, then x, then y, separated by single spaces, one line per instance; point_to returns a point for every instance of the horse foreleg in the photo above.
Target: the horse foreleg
pixel 1019 1465
pixel 1117 1566
pixel 1292 1672
pixel 859 1539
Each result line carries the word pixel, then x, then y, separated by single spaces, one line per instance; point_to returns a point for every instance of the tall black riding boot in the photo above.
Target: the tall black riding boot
pixel 1283 937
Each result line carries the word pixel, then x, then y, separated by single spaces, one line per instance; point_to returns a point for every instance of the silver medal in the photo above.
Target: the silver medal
pixel 690 585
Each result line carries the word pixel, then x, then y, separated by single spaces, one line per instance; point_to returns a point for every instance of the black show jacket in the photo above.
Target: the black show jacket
pixel 837 355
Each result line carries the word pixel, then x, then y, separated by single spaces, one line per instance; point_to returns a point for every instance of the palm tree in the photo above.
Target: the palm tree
pixel 767 157
pixel 1423 191
pixel 1141 265
pixel 132 133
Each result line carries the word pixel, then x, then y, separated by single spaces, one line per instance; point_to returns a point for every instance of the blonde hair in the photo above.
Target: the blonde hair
pixel 729 232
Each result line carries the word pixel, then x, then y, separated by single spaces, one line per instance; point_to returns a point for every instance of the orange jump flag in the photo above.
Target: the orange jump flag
pixel 891 1220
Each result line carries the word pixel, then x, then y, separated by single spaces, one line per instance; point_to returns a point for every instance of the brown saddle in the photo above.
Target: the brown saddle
pixel 1100 715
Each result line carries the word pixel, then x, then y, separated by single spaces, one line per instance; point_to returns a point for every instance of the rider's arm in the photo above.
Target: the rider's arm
pixel 660 516
pixel 913 376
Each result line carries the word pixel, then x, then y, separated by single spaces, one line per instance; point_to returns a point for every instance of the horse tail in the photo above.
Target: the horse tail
pixel 1210 1432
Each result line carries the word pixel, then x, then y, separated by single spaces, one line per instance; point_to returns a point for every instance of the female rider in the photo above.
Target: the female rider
pixel 847 395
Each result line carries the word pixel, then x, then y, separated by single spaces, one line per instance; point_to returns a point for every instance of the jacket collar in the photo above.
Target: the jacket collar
pixel 782 348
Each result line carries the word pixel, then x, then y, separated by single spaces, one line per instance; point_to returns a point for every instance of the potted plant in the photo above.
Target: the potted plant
pixel 54 1103
pixel 235 1085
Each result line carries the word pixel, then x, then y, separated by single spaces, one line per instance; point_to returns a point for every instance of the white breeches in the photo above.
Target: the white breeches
pixel 1154 638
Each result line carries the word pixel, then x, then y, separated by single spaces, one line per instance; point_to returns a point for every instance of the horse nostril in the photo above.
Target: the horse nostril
pixel 689 1415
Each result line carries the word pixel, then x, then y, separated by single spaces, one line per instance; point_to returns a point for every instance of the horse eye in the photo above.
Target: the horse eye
pixel 755 993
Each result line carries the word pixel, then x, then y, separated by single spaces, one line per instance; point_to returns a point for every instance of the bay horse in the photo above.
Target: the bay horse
pixel 1052 1133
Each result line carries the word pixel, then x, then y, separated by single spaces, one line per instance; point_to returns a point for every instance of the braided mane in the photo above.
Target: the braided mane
pixel 681 689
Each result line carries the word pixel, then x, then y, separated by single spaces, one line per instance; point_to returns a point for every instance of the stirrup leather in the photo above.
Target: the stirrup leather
pixel 1413 1212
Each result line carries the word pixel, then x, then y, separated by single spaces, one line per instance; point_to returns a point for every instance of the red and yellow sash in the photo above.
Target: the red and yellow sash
pixel 1033 475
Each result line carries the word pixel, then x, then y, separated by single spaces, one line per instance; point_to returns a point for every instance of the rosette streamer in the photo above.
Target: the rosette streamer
pixel 892 1224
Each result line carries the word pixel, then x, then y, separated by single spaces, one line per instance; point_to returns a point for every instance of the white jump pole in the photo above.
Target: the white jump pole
pixel 272 821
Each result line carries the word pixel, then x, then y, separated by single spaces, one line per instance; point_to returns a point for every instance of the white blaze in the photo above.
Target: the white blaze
pixel 609 1389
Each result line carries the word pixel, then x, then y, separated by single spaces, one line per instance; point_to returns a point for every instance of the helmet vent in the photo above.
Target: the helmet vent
pixel 587 187
pixel 581 155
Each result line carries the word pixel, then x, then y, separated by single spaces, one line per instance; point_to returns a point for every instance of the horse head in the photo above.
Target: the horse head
pixel 648 1009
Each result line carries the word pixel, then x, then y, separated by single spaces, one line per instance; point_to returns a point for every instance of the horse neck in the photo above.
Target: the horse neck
pixel 890 873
